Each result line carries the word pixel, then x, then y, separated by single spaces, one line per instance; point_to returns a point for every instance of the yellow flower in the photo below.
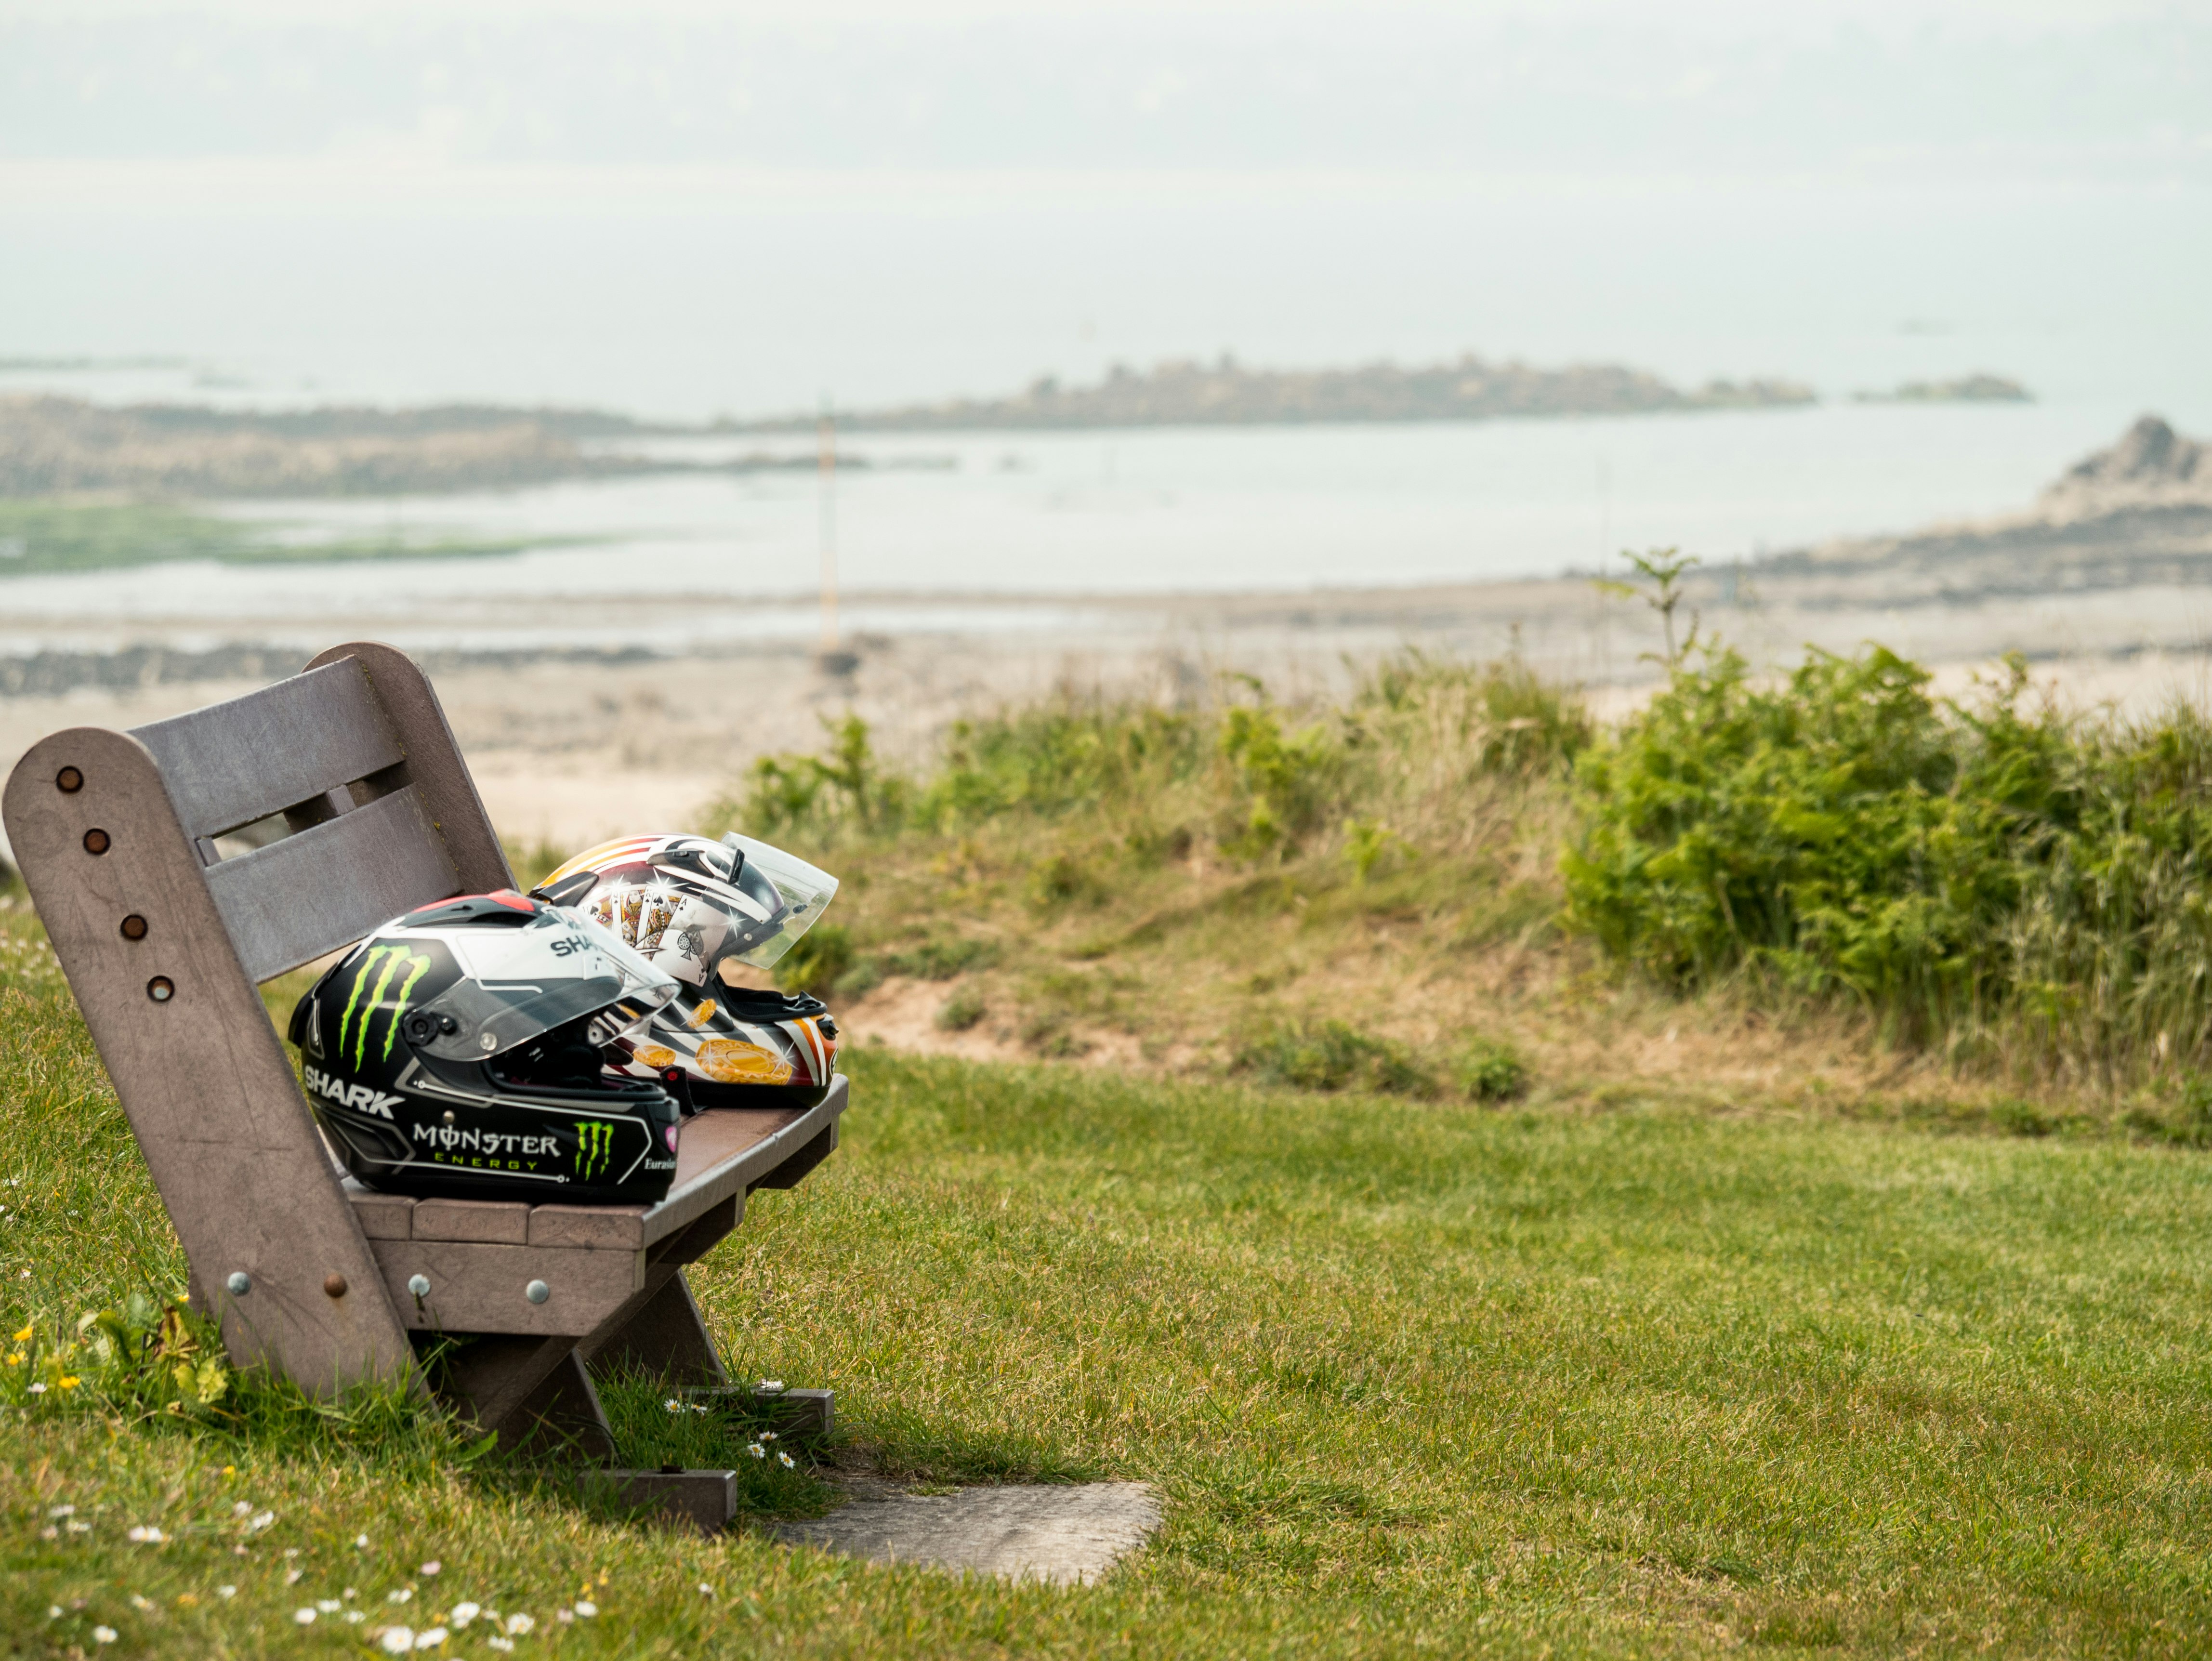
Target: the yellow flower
pixel 67 1381
pixel 16 1359
pixel 24 1336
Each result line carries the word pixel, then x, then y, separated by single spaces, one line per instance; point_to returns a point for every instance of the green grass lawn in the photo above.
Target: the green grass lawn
pixel 1412 1377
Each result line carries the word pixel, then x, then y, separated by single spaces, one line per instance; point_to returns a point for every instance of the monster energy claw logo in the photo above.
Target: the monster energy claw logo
pixel 595 1143
pixel 382 963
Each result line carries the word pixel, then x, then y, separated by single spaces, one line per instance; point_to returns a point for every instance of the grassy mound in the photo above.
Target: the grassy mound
pixel 1973 897
pixel 1226 888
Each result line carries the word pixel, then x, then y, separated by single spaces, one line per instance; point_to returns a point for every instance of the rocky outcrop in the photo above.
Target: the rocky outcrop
pixel 1188 393
pixel 54 446
pixel 62 445
pixel 2152 466
pixel 2135 515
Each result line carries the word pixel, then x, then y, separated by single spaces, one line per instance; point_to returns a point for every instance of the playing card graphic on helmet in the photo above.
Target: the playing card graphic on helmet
pixel 691 905
pixel 463 1049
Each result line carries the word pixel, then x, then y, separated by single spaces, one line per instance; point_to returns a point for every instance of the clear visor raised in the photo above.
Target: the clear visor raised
pixel 804 891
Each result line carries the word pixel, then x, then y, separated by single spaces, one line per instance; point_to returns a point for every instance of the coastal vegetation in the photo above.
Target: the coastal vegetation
pixel 1980 897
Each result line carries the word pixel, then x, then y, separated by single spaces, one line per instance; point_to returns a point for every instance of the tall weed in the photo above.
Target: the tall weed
pixel 1252 777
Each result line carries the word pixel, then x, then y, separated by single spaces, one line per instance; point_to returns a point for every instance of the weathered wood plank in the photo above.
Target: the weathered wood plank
pixel 328 885
pixel 726 1151
pixel 609 1228
pixel 663 1338
pixel 488 1379
pixel 435 766
pixel 722 1152
pixel 209 1089
pixel 232 763
pixel 794 1170
pixel 707 1500
pixel 382 1216
pixel 489 1222
pixel 704 1233
pixel 485 1288
pixel 561 1415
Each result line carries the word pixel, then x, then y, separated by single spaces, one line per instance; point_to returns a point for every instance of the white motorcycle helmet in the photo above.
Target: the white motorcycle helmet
pixel 689 905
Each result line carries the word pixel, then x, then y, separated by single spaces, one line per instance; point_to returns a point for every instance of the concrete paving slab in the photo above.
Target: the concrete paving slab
pixel 1066 1535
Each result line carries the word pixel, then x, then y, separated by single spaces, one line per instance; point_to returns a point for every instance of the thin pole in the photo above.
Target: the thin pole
pixel 827 452
pixel 1604 567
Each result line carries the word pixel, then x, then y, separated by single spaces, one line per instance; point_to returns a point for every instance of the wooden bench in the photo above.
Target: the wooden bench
pixel 164 942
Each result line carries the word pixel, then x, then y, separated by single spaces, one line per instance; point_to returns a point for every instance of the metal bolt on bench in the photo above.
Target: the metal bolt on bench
pixel 164 943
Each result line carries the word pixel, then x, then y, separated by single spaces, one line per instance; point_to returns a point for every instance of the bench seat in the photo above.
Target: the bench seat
pixel 480 1255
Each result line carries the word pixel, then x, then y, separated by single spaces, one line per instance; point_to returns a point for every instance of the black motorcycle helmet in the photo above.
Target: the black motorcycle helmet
pixel 461 1050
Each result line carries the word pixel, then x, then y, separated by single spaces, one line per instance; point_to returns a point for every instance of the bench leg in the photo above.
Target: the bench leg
pixel 532 1392
pixel 563 1413
pixel 663 1337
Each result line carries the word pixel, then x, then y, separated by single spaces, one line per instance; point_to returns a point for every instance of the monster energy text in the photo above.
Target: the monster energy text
pixel 446 1138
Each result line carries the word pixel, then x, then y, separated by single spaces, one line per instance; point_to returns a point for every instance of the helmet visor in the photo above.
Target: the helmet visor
pixel 518 983
pixel 804 891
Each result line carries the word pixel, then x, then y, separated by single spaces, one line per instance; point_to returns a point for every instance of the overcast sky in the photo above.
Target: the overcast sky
pixel 2037 89
pixel 913 199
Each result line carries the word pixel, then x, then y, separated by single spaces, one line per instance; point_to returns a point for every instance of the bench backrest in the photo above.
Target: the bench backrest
pixel 366 837
pixel 163 942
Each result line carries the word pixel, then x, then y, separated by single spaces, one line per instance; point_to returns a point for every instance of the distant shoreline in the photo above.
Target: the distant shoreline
pixel 1187 394
pixel 53 446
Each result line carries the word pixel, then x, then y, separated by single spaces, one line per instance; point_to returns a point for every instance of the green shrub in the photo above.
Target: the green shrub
pixel 1364 843
pixel 1397 767
pixel 1056 758
pixel 1048 1033
pixel 843 789
pixel 863 978
pixel 942 959
pixel 1802 826
pixel 961 1011
pixel 1958 870
pixel 1284 780
pixel 1487 1071
pixel 1061 879
pixel 2185 1117
pixel 1332 1056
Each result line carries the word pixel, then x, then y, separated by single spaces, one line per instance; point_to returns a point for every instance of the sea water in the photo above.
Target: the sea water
pixel 940 530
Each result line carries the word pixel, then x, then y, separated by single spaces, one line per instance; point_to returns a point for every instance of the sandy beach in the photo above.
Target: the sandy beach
pixel 569 751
